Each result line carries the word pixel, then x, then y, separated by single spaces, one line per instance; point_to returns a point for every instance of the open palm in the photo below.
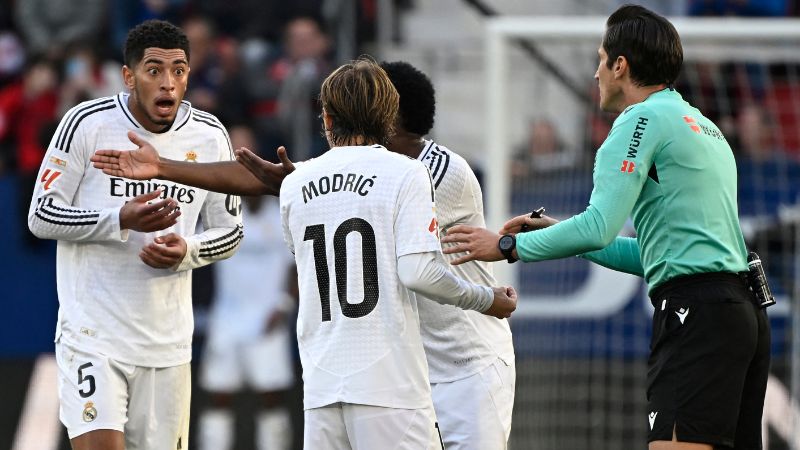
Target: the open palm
pixel 139 164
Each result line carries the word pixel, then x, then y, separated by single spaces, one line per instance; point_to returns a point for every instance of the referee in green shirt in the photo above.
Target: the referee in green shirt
pixel 671 169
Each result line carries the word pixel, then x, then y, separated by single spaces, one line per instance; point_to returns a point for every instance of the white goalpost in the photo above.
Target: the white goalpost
pixel 581 331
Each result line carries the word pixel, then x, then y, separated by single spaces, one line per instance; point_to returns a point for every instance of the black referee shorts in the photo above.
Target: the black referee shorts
pixel 709 362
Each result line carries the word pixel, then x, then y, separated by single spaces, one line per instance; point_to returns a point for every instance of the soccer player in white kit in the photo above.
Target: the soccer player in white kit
pixel 470 355
pixel 248 339
pixel 124 258
pixel 361 222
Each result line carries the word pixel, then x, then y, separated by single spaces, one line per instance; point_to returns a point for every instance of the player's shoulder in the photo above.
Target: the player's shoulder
pixel 200 119
pixel 443 163
pixel 88 115
pixel 91 110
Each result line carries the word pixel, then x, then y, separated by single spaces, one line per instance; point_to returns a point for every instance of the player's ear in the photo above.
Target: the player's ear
pixel 128 77
pixel 620 67
pixel 327 120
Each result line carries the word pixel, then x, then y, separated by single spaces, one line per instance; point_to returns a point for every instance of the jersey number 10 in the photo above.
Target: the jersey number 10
pixel 316 233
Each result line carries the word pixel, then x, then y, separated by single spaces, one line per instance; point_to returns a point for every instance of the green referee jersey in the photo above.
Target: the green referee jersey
pixel 672 170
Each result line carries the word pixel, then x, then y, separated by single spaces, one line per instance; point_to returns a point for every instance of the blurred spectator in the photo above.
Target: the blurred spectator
pixel 12 57
pixel 27 114
pixel 88 76
pixel 543 152
pixel 256 19
pixel 49 26
pixel 26 107
pixel 207 74
pixel 126 14
pixel 767 177
pixel 769 181
pixel 249 336
pixel 283 93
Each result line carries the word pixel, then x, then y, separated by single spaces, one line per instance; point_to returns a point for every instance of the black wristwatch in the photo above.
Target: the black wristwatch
pixel 507 244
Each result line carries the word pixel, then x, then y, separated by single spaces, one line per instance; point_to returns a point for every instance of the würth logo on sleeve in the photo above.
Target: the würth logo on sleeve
pixel 692 123
pixel 48 177
pixel 627 166
pixel 636 138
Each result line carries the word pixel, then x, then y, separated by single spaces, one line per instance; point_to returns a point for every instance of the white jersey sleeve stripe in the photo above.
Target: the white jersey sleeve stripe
pixel 69 130
pixel 78 122
pixel 223 243
pixel 47 212
pixel 67 121
pixel 443 156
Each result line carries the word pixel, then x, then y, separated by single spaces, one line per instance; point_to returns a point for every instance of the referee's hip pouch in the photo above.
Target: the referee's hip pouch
pixel 709 361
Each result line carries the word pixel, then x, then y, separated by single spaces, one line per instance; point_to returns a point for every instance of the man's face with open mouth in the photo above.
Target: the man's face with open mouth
pixel 157 84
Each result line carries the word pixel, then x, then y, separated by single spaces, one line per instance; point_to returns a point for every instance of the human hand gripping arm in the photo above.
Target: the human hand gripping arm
pixel 230 177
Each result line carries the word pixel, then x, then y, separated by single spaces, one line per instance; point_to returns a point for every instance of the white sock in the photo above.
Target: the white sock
pixel 216 430
pixel 273 429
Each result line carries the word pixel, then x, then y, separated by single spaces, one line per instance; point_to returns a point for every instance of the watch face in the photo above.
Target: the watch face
pixel 506 242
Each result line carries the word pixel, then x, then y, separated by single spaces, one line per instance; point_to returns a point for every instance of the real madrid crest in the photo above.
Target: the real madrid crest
pixel 191 156
pixel 89 412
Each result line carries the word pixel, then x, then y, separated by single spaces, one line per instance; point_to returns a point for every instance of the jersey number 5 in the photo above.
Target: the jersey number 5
pixel 369 264
pixel 82 378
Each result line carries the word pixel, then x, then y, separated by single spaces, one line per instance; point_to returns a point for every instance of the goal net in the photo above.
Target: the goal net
pixel 582 332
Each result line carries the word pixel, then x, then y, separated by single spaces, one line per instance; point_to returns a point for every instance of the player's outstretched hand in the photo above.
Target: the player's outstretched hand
pixel 514 226
pixel 139 164
pixel 164 252
pixel 139 214
pixel 505 302
pixel 270 174
pixel 478 243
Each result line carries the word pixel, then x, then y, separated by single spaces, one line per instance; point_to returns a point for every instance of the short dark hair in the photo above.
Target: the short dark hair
pixel 417 96
pixel 361 101
pixel 648 41
pixel 153 33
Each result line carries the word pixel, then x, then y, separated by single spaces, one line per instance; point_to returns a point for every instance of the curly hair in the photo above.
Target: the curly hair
pixel 417 96
pixel 153 33
pixel 361 101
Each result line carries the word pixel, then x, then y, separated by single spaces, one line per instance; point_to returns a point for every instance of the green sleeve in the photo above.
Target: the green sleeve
pixel 620 171
pixel 621 255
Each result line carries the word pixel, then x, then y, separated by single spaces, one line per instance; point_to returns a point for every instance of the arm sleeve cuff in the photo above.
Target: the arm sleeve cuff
pixel 427 274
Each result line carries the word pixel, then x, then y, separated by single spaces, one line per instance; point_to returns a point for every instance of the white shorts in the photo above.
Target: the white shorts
pixel 474 413
pixel 264 364
pixel 149 405
pixel 343 426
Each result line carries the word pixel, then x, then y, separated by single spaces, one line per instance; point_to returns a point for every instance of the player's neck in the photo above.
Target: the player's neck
pixel 638 94
pixel 406 143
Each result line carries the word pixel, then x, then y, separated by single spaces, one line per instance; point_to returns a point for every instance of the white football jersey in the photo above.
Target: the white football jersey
pixel 251 286
pixel 110 301
pixel 460 343
pixel 347 216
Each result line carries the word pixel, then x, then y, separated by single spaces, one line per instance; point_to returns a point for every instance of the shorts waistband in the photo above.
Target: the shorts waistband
pixel 682 282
